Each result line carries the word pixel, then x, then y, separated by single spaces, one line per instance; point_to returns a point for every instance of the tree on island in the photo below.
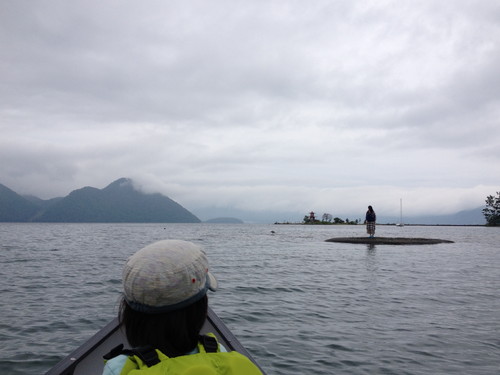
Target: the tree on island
pixel 492 210
pixel 327 219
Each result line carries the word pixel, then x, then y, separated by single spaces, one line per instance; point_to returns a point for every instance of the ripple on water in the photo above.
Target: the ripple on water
pixel 300 305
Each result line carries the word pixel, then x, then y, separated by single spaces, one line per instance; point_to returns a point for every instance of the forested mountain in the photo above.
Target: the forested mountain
pixel 119 202
pixel 14 207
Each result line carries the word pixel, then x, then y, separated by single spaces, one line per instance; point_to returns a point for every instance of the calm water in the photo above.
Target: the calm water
pixel 299 304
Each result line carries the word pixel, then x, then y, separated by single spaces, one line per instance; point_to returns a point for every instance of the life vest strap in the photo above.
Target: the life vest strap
pixel 149 356
pixel 115 352
pixel 209 343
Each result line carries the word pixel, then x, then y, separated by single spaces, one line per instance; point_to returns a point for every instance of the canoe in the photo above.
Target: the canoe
pixel 87 359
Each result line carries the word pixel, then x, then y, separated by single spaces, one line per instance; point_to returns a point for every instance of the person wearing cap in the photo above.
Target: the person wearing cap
pixel 164 307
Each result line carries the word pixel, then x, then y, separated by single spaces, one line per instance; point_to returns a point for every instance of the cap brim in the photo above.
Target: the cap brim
pixel 212 282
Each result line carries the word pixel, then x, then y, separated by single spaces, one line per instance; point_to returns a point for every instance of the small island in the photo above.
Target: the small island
pixel 388 240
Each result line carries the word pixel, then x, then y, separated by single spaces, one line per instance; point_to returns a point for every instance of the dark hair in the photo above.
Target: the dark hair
pixel 174 333
pixel 370 208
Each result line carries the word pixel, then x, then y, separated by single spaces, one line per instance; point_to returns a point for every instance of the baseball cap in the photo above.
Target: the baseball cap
pixel 165 276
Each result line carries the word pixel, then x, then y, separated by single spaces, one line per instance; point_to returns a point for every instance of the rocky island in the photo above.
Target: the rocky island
pixel 388 240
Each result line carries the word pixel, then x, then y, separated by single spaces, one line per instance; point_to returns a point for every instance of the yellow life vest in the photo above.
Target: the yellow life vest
pixel 209 361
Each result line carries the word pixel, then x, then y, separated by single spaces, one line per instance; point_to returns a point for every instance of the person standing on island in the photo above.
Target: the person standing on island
pixel 163 309
pixel 370 220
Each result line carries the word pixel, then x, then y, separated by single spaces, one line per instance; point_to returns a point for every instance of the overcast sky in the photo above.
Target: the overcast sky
pixel 285 105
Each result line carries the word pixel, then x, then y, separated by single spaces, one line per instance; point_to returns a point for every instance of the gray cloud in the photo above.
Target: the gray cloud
pixel 254 105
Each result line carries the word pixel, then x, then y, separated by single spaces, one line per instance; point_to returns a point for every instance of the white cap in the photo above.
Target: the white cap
pixel 166 276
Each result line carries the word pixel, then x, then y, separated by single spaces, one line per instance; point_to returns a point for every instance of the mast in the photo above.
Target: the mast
pixel 401 211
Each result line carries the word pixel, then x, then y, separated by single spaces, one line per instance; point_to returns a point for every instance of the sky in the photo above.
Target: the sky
pixel 258 105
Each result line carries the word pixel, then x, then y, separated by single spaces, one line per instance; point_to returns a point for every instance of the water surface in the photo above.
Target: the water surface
pixel 299 304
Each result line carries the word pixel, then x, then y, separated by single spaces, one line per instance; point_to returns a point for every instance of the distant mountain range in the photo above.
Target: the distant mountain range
pixel 466 217
pixel 119 202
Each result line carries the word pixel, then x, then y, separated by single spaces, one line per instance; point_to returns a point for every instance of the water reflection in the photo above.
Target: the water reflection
pixel 371 261
pixel 370 248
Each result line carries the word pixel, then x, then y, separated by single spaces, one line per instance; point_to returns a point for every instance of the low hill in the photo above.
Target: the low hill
pixel 465 217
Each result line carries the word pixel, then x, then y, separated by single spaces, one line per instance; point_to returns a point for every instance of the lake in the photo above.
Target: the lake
pixel 299 304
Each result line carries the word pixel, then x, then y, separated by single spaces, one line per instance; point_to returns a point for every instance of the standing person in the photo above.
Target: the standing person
pixel 370 220
pixel 163 309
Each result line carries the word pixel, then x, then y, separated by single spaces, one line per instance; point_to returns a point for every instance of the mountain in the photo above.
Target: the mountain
pixel 40 202
pixel 15 208
pixel 250 217
pixel 465 217
pixel 119 202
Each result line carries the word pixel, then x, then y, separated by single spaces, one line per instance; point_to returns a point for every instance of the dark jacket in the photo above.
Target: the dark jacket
pixel 370 216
